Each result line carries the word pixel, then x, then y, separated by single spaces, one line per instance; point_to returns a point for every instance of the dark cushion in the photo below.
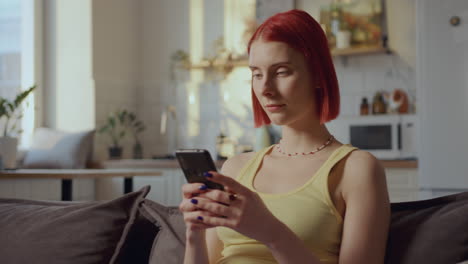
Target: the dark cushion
pixel 169 244
pixel 139 241
pixel 67 232
pixel 429 231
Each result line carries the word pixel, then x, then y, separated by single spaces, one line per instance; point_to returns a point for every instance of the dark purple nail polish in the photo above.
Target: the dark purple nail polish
pixel 207 174
pixel 203 187
pixel 200 218
pixel 194 201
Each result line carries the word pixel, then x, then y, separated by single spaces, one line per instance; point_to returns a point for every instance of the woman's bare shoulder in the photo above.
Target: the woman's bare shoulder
pixel 362 157
pixel 232 166
pixel 361 167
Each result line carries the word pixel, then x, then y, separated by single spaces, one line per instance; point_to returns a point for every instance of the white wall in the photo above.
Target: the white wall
pixel 74 85
pixel 312 7
pixel 116 60
pixel 165 29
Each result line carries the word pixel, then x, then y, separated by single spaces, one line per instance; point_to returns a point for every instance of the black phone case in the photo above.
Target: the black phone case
pixel 194 162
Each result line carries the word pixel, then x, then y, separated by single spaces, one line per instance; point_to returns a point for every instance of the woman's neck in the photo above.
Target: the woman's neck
pixel 304 139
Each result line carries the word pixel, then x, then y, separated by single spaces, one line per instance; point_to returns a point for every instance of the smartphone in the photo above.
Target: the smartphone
pixel 194 162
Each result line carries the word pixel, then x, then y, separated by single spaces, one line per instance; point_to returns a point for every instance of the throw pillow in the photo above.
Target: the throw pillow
pixel 169 244
pixel 66 232
pixel 429 231
pixel 53 149
pixel 139 241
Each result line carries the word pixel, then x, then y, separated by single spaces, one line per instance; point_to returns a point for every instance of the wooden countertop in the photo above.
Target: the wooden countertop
pixel 400 164
pixel 77 173
pixel 170 164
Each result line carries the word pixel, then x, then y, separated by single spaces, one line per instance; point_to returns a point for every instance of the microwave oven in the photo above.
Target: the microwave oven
pixel 385 136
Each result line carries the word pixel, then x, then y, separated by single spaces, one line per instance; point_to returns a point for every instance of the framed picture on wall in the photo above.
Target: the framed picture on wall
pixel 267 8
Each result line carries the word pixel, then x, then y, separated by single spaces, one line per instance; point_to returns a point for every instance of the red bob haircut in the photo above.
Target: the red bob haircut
pixel 301 32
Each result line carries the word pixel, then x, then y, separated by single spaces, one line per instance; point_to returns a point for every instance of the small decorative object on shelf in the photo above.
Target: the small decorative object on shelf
pixel 398 102
pixel 180 59
pixel 378 104
pixel 364 108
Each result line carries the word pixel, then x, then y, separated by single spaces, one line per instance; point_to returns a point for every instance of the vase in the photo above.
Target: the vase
pixel 115 152
pixel 8 152
pixel 137 151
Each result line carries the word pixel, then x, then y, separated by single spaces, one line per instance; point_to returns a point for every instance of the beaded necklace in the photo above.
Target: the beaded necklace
pixel 328 142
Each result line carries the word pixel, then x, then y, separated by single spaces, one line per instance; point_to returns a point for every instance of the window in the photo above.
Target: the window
pixel 19 21
pixel 10 48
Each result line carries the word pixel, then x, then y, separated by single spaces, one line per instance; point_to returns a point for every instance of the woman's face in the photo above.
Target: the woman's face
pixel 282 83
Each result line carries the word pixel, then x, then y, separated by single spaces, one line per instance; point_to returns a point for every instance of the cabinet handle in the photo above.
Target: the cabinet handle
pixel 455 21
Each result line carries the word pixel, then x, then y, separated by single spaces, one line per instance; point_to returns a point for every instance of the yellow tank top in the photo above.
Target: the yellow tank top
pixel 308 211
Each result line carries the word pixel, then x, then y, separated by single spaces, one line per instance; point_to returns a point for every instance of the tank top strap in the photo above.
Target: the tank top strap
pixel 342 152
pixel 335 157
pixel 251 167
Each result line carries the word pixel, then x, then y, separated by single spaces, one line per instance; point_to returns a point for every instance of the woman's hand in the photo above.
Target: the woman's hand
pixel 192 214
pixel 236 207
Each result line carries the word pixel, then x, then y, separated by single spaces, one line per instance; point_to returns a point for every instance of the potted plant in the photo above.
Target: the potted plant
pixel 115 128
pixel 10 114
pixel 136 127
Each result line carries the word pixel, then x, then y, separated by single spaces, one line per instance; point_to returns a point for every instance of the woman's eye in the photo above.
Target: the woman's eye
pixel 282 73
pixel 257 76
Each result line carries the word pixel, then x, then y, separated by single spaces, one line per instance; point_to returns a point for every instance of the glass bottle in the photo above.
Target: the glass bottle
pixel 378 105
pixel 364 108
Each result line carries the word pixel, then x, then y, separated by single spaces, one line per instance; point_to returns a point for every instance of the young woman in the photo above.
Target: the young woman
pixel 306 199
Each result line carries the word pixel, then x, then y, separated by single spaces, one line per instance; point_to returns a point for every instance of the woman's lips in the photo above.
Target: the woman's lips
pixel 274 107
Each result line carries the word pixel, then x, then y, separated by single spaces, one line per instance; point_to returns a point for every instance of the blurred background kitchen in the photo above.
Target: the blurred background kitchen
pixel 179 69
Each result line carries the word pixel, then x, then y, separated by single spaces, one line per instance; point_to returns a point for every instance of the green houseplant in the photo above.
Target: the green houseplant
pixel 11 112
pixel 115 129
pixel 118 125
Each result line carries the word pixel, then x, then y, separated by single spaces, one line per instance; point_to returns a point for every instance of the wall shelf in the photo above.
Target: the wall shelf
pixel 353 51
pixel 205 64
pixel 360 50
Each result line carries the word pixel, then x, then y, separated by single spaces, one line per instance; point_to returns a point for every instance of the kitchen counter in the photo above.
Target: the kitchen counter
pixel 172 163
pixel 400 164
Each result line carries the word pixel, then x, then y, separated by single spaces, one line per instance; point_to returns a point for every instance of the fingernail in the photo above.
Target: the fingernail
pixel 200 218
pixel 194 201
pixel 203 187
pixel 207 174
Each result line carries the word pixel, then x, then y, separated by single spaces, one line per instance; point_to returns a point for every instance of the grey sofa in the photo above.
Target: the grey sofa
pixel 132 229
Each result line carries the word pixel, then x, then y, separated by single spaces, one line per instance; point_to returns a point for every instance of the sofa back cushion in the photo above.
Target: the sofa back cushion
pixel 68 232
pixel 429 231
pixel 169 244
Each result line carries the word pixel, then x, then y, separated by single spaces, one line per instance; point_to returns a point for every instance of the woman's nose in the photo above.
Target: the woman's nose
pixel 268 88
